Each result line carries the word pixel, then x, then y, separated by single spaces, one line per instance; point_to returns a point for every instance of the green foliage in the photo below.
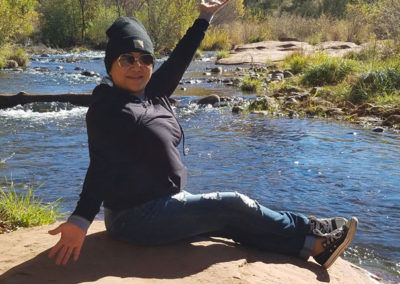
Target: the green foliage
pixel 8 52
pixel 256 38
pixel 2 62
pixel 167 21
pixel 216 39
pixel 20 57
pixel 250 84
pixel 222 54
pixel 25 210
pixel 376 82
pixel 60 22
pixel 383 17
pixel 263 104
pixel 297 62
pixel 17 18
pixel 102 19
pixel 329 72
pixel 198 54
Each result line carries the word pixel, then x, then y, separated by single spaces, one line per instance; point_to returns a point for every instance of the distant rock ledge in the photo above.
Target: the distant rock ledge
pixel 23 259
pixel 262 52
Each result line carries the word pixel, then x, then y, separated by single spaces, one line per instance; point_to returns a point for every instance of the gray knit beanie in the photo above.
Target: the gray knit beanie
pixel 125 35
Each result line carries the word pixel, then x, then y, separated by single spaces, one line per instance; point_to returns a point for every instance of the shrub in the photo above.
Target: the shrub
pixel 297 62
pixel 20 57
pixel 222 54
pixel 17 19
pixel 250 84
pixel 167 21
pixel 103 18
pixel 198 54
pixel 216 39
pixel 330 71
pixel 376 83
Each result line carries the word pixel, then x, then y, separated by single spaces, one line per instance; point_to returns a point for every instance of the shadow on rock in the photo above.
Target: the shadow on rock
pixel 102 256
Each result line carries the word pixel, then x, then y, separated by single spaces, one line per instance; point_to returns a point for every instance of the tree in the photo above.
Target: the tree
pixel 60 22
pixel 17 19
pixel 128 7
pixel 166 21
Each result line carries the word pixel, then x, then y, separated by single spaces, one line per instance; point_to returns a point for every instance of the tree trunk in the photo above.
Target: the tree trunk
pixel 10 100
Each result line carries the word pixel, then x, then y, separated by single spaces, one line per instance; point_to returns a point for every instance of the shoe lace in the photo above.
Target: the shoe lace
pixel 329 237
pixel 320 225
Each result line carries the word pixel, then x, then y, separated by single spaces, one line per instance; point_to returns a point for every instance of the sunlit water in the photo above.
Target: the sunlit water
pixel 315 167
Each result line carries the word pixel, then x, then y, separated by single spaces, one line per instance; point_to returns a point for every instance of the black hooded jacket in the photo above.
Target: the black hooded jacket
pixel 133 143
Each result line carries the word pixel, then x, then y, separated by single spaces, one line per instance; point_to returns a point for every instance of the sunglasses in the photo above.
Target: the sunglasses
pixel 127 60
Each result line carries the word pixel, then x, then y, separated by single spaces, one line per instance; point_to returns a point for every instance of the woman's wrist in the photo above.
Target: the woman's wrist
pixel 206 16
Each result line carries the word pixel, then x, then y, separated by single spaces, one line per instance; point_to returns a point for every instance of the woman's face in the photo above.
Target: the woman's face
pixel 131 75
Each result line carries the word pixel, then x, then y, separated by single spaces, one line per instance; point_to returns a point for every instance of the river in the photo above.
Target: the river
pixel 317 167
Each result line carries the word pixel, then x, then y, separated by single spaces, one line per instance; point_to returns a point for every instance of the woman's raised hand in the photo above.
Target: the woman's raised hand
pixel 70 243
pixel 211 6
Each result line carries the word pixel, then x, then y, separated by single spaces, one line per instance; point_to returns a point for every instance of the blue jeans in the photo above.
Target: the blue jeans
pixel 226 214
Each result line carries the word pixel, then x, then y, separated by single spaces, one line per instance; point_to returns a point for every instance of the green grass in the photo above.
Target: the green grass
pixel 331 71
pixel 216 40
pixel 19 209
pixel 250 84
pixel 10 53
pixel 222 54
pixel 376 84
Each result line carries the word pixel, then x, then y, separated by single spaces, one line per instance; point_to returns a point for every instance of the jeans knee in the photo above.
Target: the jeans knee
pixel 212 196
pixel 247 200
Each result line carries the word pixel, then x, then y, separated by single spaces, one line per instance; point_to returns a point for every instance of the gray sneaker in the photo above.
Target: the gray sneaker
pixel 336 242
pixel 325 226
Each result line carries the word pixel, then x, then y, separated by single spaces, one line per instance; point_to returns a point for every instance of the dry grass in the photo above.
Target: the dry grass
pixel 312 30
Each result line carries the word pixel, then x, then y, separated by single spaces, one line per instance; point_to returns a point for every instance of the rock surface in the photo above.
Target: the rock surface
pixel 23 259
pixel 262 52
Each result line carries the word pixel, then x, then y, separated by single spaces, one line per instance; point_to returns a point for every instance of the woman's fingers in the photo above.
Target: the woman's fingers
pixel 61 255
pixel 67 255
pixel 55 231
pixel 70 243
pixel 55 249
pixel 77 251
pixel 211 6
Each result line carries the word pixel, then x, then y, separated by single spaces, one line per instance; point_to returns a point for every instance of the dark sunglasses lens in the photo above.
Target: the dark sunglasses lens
pixel 126 59
pixel 146 59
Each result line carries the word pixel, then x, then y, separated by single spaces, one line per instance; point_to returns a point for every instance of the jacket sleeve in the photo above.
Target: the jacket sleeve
pixel 165 80
pixel 105 136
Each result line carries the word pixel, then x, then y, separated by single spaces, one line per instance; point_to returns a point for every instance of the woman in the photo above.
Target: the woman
pixel 136 172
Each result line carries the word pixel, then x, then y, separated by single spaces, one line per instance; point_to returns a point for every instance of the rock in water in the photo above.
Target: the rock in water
pixel 213 100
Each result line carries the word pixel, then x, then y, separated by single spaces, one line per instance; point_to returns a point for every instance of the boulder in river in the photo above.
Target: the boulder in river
pixel 213 100
pixel 10 64
pixel 216 70
pixel 237 109
pixel 90 73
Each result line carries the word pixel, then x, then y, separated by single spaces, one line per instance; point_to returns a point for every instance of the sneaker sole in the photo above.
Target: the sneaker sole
pixel 352 225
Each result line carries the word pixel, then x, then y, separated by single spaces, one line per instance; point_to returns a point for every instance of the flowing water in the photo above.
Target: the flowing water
pixel 320 168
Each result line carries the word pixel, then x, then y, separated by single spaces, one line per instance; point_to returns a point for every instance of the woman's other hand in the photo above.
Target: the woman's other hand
pixel 70 243
pixel 211 6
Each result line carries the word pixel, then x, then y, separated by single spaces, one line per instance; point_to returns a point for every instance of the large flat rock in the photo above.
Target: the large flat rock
pixel 262 52
pixel 23 259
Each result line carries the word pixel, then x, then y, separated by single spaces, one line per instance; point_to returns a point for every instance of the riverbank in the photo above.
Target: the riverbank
pixel 200 260
pixel 339 80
